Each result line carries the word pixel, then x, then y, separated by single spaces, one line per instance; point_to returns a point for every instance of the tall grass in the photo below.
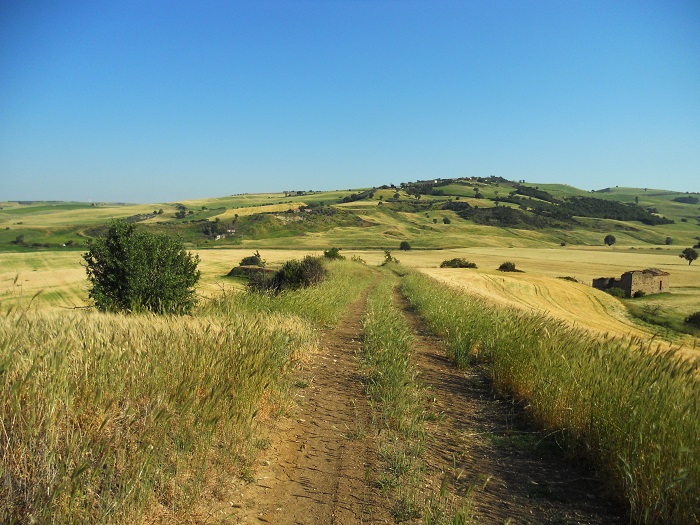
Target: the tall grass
pixel 106 418
pixel 396 396
pixel 323 304
pixel 633 410
pixel 103 415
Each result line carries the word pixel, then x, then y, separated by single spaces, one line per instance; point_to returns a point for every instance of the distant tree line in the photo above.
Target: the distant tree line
pixel 687 200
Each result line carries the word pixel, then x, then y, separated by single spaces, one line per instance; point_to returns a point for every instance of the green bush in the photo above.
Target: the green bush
pixel 404 245
pixel 693 319
pixel 446 220
pixel 294 274
pixel 457 263
pixel 616 292
pixel 388 258
pixel 132 270
pixel 639 293
pixel 252 260
pixel 507 267
pixel 333 254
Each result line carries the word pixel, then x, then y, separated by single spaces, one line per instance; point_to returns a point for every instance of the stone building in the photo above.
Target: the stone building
pixel 649 281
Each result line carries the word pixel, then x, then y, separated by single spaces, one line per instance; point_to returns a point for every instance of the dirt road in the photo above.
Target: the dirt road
pixel 322 460
pixel 318 469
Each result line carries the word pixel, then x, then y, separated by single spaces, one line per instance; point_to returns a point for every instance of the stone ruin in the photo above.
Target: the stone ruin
pixel 649 281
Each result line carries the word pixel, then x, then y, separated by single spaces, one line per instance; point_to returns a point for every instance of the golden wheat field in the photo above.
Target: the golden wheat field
pixel 60 279
pixel 539 288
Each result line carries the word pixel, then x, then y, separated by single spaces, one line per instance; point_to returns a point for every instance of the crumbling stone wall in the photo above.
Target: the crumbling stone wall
pixel 649 281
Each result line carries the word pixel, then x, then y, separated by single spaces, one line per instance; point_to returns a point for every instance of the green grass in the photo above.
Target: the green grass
pixel 633 410
pixel 399 401
pixel 396 398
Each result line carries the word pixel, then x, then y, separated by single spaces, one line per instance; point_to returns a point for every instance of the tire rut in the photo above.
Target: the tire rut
pixel 485 448
pixel 318 468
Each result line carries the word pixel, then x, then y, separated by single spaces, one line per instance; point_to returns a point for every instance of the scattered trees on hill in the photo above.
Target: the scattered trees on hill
pixel 132 270
pixel 689 255
pixel 687 200
pixel 610 240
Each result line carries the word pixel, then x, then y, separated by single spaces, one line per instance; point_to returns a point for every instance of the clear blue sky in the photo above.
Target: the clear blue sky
pixel 156 101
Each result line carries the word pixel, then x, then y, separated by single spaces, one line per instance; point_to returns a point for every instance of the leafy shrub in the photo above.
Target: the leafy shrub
pixel 446 220
pixel 616 292
pixel 457 262
pixel 507 267
pixel 333 254
pixel 294 274
pixel 610 240
pixel 639 293
pixel 693 319
pixel 569 278
pixel 252 260
pixel 404 246
pixel 388 258
pixel 133 270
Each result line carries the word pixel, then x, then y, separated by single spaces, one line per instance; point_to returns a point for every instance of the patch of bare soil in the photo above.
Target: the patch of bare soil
pixel 318 468
pixel 483 446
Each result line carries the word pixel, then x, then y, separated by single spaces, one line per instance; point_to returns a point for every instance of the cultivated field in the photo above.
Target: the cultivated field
pixel 61 279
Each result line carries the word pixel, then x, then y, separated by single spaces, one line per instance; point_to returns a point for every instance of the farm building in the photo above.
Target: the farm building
pixel 649 281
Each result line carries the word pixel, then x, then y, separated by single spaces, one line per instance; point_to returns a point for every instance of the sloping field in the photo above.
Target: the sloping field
pixel 575 303
pixel 61 280
pixel 58 277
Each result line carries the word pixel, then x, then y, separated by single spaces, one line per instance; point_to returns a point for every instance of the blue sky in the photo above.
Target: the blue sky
pixel 150 101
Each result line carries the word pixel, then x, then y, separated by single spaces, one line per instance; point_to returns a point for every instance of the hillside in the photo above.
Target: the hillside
pixel 437 214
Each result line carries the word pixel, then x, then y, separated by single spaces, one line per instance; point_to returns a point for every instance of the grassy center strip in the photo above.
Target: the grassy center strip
pixel 633 410
pixel 398 400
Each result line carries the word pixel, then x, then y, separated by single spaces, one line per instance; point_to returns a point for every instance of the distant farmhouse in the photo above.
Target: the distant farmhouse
pixel 649 281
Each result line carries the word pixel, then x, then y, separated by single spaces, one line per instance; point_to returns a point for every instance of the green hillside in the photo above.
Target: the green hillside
pixel 440 213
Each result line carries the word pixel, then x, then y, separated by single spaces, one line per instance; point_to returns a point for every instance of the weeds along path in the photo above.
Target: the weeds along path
pixel 318 466
pixel 479 445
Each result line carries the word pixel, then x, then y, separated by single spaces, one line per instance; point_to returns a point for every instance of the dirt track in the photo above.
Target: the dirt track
pixel 484 446
pixel 318 469
pixel 322 460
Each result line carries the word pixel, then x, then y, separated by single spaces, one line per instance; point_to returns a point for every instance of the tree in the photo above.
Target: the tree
pixel 446 220
pixel 132 270
pixel 610 240
pixel 668 241
pixel 404 245
pixel 689 255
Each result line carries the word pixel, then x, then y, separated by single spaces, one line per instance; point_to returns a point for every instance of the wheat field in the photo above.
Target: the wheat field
pixel 60 279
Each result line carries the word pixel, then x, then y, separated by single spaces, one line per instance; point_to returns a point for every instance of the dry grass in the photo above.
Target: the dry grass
pixel 107 418
pixel 633 410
